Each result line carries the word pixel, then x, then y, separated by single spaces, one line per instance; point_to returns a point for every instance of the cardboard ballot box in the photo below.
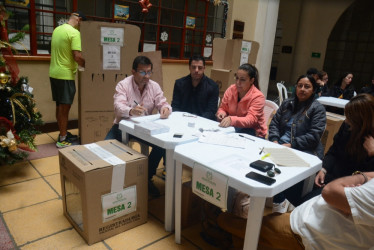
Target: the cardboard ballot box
pixel 104 188
pixel 333 123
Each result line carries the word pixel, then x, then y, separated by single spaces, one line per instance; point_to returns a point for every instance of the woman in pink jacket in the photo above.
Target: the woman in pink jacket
pixel 243 104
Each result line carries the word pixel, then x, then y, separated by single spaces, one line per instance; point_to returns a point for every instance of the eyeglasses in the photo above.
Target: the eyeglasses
pixel 271 173
pixel 143 73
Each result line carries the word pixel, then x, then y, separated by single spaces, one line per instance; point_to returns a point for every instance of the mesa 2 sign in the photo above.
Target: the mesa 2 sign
pixel 210 185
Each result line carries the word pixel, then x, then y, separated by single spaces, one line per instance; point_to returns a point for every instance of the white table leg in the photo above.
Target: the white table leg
pixel 255 213
pixel 178 201
pixel 125 137
pixel 308 184
pixel 169 190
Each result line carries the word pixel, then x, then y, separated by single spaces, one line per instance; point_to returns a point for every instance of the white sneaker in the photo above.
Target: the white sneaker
pixel 290 207
pixel 282 207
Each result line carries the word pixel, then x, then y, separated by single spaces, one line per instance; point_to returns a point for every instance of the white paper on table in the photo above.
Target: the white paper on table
pixel 151 128
pixel 285 157
pixel 222 139
pixel 235 163
pixel 145 118
pixel 111 57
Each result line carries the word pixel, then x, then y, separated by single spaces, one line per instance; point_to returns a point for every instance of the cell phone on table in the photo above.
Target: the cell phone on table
pixel 262 165
pixel 260 178
pixel 177 135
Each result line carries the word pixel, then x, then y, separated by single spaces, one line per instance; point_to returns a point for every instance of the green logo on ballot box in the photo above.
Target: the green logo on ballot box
pixel 209 175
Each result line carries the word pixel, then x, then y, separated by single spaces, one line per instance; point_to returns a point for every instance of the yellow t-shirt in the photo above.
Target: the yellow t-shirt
pixel 65 39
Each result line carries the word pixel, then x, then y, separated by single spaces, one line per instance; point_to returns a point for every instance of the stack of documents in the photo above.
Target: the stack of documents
pixel 285 157
pixel 151 128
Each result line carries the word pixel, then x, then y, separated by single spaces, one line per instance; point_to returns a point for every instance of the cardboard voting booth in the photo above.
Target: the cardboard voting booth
pixel 104 188
pixel 228 55
pixel 109 50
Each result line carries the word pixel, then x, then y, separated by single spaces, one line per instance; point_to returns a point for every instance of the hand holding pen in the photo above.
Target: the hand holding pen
pixel 138 110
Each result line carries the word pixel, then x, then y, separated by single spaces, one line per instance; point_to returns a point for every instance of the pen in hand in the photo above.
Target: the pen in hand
pixel 139 110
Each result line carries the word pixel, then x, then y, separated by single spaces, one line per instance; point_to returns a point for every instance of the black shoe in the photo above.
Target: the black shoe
pixel 71 137
pixel 152 189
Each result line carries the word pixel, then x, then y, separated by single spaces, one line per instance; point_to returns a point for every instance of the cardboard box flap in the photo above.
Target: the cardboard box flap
pixel 106 153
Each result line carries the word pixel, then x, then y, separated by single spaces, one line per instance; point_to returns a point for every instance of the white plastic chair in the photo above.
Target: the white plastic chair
pixel 282 91
pixel 269 110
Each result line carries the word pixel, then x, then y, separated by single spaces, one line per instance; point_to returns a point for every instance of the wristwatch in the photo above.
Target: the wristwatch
pixel 361 173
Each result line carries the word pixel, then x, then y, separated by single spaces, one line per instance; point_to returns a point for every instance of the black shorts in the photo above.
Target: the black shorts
pixel 63 91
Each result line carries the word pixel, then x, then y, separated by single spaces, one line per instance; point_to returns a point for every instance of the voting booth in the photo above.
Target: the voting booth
pixel 228 55
pixel 109 50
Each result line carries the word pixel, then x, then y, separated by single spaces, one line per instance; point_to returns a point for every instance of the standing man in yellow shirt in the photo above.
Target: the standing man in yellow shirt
pixel 65 57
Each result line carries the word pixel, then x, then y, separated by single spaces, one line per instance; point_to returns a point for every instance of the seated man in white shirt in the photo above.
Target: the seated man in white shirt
pixel 341 218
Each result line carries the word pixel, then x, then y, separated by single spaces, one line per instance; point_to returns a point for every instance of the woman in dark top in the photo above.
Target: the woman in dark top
pixel 348 152
pixel 343 88
pixel 351 149
pixel 299 123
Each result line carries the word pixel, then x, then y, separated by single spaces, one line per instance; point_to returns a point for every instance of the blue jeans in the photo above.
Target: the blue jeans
pixel 154 157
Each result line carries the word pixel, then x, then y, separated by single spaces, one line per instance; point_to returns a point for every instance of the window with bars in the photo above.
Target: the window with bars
pixel 179 28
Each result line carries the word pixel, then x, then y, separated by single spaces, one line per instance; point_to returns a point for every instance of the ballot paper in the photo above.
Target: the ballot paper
pixel 285 157
pixel 151 128
pixel 222 139
pixel 145 118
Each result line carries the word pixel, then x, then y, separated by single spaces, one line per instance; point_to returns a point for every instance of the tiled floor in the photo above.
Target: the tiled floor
pixel 31 215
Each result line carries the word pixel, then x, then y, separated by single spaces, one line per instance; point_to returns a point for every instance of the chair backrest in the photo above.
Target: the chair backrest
pixel 282 91
pixel 269 111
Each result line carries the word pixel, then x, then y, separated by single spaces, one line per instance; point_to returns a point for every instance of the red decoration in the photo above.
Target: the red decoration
pixel 6 125
pixel 145 5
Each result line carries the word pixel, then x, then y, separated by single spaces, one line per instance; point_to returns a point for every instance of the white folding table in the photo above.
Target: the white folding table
pixel 209 155
pixel 332 101
pixel 178 122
